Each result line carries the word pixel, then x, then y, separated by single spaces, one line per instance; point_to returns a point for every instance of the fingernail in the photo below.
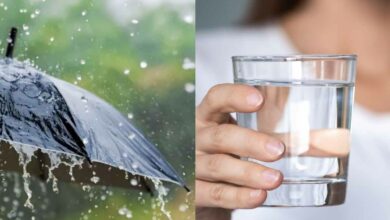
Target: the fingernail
pixel 255 193
pixel 254 99
pixel 275 147
pixel 270 176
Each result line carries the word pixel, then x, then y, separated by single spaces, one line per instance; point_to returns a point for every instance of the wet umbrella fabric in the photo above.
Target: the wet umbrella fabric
pixel 40 110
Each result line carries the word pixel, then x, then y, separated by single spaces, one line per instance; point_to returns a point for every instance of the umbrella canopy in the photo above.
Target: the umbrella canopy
pixel 42 111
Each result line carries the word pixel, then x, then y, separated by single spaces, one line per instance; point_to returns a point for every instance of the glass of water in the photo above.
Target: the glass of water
pixel 307 104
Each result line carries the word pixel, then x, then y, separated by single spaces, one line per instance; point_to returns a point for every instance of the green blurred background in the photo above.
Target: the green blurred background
pixel 137 55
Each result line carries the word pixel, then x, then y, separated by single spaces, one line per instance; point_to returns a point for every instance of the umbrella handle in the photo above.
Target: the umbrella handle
pixel 11 42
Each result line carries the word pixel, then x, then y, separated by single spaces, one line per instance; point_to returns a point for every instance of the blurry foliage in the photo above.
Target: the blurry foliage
pixel 58 43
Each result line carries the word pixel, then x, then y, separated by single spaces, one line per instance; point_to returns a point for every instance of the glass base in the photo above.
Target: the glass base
pixel 307 193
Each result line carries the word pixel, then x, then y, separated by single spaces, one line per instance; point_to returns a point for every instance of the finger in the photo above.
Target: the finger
pixel 227 196
pixel 232 139
pixel 226 98
pixel 224 168
pixel 322 142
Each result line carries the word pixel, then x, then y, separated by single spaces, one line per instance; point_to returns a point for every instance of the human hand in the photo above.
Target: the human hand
pixel 222 179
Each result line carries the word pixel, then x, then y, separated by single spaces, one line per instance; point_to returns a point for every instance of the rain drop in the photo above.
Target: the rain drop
pixel 78 78
pixel 143 64
pixel 83 99
pixel 86 188
pixel 83 13
pixel 183 207
pixel 134 165
pixel 188 19
pixel 189 87
pixel 125 212
pixel 51 39
pixel 134 21
pixel 82 62
pixel 85 140
pixel 95 179
pixel 133 182
pixel 126 72
pixel 130 115
pixel 25 27
pixel 131 136
pixel 188 64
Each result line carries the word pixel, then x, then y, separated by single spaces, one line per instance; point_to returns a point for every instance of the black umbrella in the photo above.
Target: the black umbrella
pixel 41 112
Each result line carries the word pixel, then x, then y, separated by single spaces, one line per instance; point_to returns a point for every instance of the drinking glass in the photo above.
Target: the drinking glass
pixel 307 104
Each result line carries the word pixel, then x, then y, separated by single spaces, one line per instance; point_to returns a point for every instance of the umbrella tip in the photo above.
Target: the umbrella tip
pixel 11 42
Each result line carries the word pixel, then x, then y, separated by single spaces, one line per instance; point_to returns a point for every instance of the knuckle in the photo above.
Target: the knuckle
pixel 219 134
pixel 212 95
pixel 217 192
pixel 214 164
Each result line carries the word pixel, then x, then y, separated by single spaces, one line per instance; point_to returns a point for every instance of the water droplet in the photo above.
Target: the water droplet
pixel 126 71
pixel 79 78
pixel 134 21
pixel 143 64
pixel 85 141
pixel 188 64
pixel 83 13
pixel 133 182
pixel 82 62
pixel 134 165
pixel 83 99
pixel 131 136
pixel 189 87
pixel 86 188
pixel 183 207
pixel 188 19
pixel 95 179
pixel 51 39
pixel 130 115
pixel 25 27
pixel 125 212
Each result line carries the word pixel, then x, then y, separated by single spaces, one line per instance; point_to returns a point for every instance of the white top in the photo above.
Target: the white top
pixel 368 191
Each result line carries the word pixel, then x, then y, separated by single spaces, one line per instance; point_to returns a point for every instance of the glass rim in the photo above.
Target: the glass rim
pixel 296 57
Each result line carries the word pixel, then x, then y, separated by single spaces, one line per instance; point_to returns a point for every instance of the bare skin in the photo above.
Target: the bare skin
pixel 334 26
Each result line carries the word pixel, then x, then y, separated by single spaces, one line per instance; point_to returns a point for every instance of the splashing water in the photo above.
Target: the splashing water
pixel 161 200
pixel 25 157
pixel 27 153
